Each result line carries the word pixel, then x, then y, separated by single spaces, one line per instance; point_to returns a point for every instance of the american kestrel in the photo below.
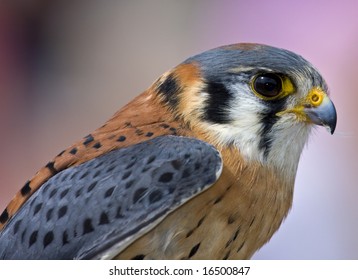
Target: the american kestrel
pixel 201 165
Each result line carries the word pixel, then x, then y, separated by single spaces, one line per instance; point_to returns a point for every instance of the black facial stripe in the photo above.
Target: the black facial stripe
pixel 268 120
pixel 170 90
pixel 218 103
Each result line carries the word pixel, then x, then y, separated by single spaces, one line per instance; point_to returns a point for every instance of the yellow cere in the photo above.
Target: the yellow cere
pixel 315 96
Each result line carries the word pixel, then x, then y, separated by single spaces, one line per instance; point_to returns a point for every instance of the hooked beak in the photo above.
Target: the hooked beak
pixel 316 108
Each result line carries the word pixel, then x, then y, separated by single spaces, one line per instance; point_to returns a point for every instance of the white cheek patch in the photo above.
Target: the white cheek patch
pixel 246 124
pixel 288 135
pixel 244 129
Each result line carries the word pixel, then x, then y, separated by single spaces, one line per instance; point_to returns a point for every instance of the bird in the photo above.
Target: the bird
pixel 201 165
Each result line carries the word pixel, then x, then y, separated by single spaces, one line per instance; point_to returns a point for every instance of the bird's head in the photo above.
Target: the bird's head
pixel 259 99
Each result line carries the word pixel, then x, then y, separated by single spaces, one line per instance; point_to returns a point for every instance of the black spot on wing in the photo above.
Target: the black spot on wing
pixel 78 193
pixel 91 186
pixel 4 216
pixel 126 174
pixel 62 211
pixel 85 174
pixel 82 216
pixel 87 226
pixel 166 177
pixel 121 138
pixel 48 239
pixel 49 214
pixel 64 193
pixel 109 192
pixel 103 219
pixel 37 208
pixel 33 238
pixel 151 159
pixel 73 151
pixel 129 184
pixel 51 166
pixel 138 194
pixel 155 196
pixel 97 145
pixel 88 139
pixel 96 174
pixel 26 189
pixel 52 193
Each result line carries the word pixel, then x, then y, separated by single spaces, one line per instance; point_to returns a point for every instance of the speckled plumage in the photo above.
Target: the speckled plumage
pixel 86 209
pixel 210 97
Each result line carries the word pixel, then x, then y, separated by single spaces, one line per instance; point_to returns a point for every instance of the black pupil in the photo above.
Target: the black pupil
pixel 268 85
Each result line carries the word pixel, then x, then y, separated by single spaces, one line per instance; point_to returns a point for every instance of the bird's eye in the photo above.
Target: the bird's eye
pixel 267 85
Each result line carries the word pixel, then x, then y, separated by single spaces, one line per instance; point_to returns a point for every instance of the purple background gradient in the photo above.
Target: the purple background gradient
pixel 67 66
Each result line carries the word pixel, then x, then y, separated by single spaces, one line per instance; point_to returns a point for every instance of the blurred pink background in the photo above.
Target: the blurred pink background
pixel 67 66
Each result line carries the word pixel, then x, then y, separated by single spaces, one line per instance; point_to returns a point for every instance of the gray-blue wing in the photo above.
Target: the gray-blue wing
pixel 100 207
